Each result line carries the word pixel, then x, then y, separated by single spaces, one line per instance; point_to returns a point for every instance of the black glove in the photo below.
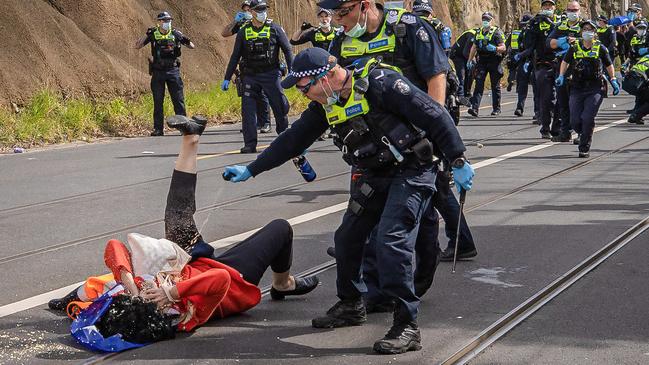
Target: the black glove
pixel 150 31
pixel 306 25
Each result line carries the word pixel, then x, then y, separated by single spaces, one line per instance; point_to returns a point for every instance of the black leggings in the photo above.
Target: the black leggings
pixel 271 246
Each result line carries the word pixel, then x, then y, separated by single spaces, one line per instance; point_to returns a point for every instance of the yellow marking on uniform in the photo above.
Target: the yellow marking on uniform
pixel 234 152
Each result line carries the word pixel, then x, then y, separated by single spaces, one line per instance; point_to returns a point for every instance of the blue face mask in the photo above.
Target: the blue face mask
pixel 247 15
pixel 631 15
pixel 588 36
pixel 261 16
pixel 166 26
pixel 486 24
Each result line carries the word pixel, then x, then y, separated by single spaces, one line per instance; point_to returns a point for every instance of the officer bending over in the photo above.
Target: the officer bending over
pixel 164 68
pixel 586 58
pixel 489 46
pixel 460 56
pixel 636 82
pixel 257 49
pixel 320 36
pixel 385 127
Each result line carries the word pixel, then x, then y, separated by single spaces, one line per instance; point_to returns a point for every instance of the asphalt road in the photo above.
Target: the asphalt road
pixel 536 211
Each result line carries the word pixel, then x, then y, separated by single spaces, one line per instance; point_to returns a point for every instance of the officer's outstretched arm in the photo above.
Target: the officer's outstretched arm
pixel 141 42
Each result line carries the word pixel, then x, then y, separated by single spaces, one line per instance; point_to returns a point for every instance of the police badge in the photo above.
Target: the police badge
pixel 401 87
pixel 423 35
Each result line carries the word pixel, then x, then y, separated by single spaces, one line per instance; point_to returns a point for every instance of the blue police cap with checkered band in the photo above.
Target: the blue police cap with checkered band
pixel 310 62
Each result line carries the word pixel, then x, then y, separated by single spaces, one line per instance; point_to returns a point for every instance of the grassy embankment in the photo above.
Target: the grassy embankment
pixel 48 118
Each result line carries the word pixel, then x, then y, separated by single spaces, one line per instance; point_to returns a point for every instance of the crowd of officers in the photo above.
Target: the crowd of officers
pixel 381 80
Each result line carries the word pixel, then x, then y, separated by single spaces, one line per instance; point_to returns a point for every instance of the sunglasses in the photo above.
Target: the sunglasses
pixel 343 11
pixel 305 89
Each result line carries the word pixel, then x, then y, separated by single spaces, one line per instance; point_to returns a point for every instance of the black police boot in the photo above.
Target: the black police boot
pixel 302 286
pixel 496 112
pixel 633 119
pixel 186 126
pixel 584 154
pixel 518 112
pixel 546 135
pixel 331 251
pixel 345 313
pixel 248 149
pixel 62 303
pixel 265 128
pixel 509 87
pixel 157 133
pixel 447 255
pixel 473 112
pixel 560 138
pixel 385 306
pixel 402 337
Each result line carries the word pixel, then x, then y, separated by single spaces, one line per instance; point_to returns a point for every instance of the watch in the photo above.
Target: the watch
pixel 459 162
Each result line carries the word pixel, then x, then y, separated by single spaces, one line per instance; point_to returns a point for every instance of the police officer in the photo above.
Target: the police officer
pixel 242 18
pixel 320 36
pixel 636 82
pixel 460 55
pixel 638 44
pixel 489 47
pixel 380 113
pixel 257 47
pixel 565 34
pixel 634 13
pixel 543 60
pixel 606 35
pixel 520 68
pixel 587 59
pixel 164 68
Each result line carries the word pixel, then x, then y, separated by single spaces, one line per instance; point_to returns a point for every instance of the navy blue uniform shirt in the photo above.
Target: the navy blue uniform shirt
pixel 534 43
pixel 386 94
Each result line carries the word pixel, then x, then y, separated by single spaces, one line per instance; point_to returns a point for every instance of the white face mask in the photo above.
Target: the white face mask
pixel 166 26
pixel 261 16
pixel 358 29
pixel 641 32
pixel 334 97
pixel 548 12
pixel 588 36
pixel 573 17
pixel 325 23
pixel 247 15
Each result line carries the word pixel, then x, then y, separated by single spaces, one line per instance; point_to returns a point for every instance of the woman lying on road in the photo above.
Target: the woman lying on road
pixel 208 286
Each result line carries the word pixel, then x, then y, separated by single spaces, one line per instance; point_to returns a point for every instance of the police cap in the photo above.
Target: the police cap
pixel 260 5
pixel 310 62
pixel 602 17
pixel 487 15
pixel 548 1
pixel 635 7
pixel 332 4
pixel 641 24
pixel 322 10
pixel 422 7
pixel 164 16
pixel 245 3
pixel 586 22
pixel 525 19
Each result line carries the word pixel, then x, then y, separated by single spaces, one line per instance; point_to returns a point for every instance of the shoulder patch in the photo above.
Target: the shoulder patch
pixel 393 16
pixel 408 19
pixel 423 35
pixel 401 87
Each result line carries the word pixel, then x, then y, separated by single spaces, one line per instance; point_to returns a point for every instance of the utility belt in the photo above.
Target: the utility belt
pixel 248 69
pixel 163 64
pixel 635 82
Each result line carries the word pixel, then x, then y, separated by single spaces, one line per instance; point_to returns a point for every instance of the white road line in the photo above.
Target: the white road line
pixel 40 299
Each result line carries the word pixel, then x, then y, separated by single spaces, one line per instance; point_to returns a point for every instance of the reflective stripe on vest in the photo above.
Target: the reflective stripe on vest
pixel 167 37
pixel 642 66
pixel 593 53
pixel 489 36
pixel 321 37
pixel 354 47
pixel 356 105
pixel 514 39
pixel 572 29
pixel 252 34
pixel 603 30
pixel 636 40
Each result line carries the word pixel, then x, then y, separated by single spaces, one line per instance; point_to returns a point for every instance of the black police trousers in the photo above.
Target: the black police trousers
pixel 465 78
pixel 545 76
pixel 495 71
pixel 171 78
pixel 523 82
pixel 584 105
pixel 271 246
pixel 253 85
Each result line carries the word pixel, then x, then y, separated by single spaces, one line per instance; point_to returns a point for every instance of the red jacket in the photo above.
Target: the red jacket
pixel 212 288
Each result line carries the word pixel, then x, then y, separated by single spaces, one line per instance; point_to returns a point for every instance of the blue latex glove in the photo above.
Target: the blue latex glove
pixel 517 57
pixel 470 65
pixel 526 67
pixel 563 43
pixel 560 80
pixel 616 87
pixel 463 177
pixel 491 48
pixel 643 51
pixel 240 16
pixel 236 173
pixel 225 85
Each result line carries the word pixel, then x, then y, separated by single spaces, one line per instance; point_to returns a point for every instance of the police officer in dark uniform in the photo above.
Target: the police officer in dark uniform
pixel 587 59
pixel 257 47
pixel 489 47
pixel 164 68
pixel 522 69
pixel 564 35
pixel 634 13
pixel 543 60
pixel 606 35
pixel 320 36
pixel 242 18
pixel 636 82
pixel 389 128
pixel 638 44
pixel 460 56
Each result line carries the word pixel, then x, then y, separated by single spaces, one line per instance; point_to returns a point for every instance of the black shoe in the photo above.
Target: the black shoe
pixel 509 87
pixel 265 128
pixel 495 112
pixel 380 307
pixel 302 286
pixel 518 112
pixel 345 313
pixel 630 111
pixel 248 149
pixel 186 126
pixel 560 138
pixel 633 119
pixel 157 133
pixel 447 255
pixel 402 337
pixel 331 251
pixel 584 154
pixel 576 141
pixel 473 112
pixel 62 303
pixel 546 135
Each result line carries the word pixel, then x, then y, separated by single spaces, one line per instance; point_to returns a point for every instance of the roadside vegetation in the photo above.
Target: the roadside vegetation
pixel 49 118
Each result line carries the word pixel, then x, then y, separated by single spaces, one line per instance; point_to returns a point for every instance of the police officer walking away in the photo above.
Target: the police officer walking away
pixel 544 62
pixel 520 67
pixel 489 46
pixel 636 82
pixel 460 56
pixel 606 35
pixel 256 50
pixel 320 36
pixel 587 59
pixel 164 68
pixel 379 112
